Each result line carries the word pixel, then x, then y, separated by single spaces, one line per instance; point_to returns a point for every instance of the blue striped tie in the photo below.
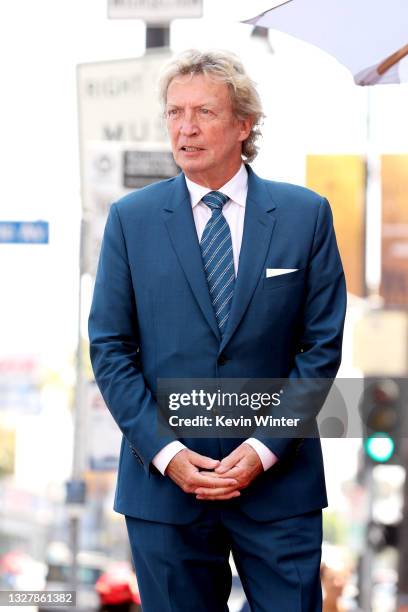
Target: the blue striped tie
pixel 216 251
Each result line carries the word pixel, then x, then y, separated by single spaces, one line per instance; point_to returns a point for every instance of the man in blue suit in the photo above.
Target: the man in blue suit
pixel 217 273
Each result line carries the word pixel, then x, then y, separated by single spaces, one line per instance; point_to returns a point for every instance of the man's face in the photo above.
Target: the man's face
pixel 206 137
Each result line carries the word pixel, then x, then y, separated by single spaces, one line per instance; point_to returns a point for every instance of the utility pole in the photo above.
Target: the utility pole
pixel 157 36
pixel 366 571
pixel 403 543
pixel 75 491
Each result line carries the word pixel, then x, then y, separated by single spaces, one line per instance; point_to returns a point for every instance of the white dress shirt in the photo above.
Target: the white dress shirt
pixel 234 212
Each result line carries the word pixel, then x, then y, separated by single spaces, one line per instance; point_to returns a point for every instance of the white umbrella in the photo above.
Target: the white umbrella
pixel 370 37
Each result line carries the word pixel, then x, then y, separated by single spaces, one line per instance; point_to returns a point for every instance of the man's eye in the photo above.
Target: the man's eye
pixel 205 111
pixel 172 112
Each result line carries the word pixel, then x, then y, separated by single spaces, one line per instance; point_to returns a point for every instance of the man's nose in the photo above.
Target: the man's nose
pixel 188 125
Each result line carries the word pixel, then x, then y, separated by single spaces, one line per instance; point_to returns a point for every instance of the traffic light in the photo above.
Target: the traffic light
pixel 381 535
pixel 382 415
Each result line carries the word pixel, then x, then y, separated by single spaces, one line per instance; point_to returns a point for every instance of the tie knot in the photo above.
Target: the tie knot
pixel 215 200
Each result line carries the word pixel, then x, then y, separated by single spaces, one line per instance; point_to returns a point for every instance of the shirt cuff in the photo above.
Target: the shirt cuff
pixel 162 459
pixel 267 457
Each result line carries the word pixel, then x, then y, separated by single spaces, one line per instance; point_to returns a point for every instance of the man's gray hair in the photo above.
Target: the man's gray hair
pixel 227 67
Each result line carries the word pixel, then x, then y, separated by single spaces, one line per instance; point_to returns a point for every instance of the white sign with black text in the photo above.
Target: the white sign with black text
pixel 155 11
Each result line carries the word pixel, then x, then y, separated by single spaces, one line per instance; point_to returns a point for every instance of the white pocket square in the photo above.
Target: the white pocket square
pixel 277 271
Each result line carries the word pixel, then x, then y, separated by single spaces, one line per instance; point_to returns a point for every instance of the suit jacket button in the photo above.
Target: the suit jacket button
pixel 222 360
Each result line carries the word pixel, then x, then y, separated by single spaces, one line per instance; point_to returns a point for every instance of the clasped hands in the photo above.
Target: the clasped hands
pixel 216 479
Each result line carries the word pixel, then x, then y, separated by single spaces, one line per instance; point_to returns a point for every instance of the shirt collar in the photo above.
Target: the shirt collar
pixel 236 188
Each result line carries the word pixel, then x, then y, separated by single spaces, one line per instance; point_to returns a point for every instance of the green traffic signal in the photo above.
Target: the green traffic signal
pixel 382 413
pixel 379 447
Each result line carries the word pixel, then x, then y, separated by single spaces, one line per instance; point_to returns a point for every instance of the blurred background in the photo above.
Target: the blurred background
pixel 81 127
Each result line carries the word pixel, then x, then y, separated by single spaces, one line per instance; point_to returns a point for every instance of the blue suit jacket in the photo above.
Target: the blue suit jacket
pixel 152 317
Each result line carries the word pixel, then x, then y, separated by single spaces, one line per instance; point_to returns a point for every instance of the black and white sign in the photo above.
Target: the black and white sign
pixel 155 11
pixel 141 168
pixel 111 169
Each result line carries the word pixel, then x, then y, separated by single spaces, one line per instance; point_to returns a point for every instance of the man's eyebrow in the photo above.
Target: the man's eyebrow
pixel 172 104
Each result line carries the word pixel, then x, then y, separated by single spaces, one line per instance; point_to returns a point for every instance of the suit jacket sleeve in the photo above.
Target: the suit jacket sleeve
pixel 114 347
pixel 318 358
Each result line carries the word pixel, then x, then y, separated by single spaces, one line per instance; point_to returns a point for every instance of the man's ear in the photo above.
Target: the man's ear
pixel 246 127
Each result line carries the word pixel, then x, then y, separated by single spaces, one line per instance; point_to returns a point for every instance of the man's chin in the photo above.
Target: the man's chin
pixel 191 165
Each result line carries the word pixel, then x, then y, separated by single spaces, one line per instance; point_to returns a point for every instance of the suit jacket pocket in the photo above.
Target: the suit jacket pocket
pixel 282 280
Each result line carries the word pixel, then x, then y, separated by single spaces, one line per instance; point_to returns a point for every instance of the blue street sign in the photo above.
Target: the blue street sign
pixel 23 232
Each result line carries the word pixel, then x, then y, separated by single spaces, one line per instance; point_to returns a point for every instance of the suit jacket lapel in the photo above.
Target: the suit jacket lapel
pixel 183 235
pixel 258 227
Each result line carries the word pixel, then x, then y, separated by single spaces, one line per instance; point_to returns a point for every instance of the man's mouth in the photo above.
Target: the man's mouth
pixel 191 149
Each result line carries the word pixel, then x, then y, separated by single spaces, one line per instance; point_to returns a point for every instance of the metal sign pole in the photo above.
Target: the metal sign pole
pixel 75 497
pixel 366 581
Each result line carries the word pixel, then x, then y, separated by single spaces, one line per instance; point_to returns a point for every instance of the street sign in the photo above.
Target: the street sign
pixel 111 169
pixel 141 168
pixel 155 11
pixel 118 106
pixel 24 232
pixel 118 100
pixel 123 140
